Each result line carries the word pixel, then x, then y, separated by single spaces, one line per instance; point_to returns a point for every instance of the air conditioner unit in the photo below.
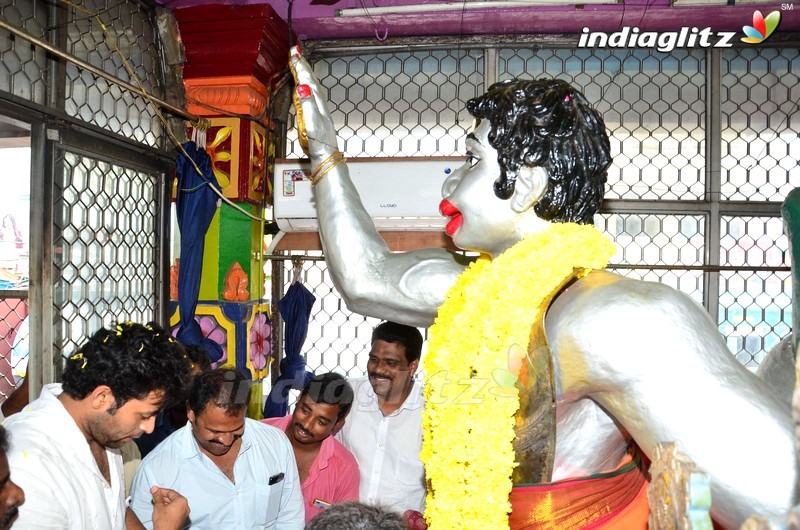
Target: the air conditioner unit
pixel 399 193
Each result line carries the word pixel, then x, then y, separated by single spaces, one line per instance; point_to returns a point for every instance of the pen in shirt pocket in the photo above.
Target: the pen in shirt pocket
pixel 319 503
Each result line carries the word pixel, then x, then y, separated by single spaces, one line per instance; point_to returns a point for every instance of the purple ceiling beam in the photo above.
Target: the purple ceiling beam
pixel 317 22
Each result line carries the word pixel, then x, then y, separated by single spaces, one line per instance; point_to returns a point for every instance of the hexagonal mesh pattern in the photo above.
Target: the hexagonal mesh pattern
pixel 399 104
pixel 755 310
pixel 760 144
pixel 107 105
pixel 655 108
pixel 652 105
pixel 106 244
pixel 13 343
pixel 338 340
pixel 24 67
pixel 674 240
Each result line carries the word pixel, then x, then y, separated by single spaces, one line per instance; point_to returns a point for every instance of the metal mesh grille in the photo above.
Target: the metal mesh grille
pixel 336 337
pixel 674 240
pixel 760 140
pixel 95 100
pixel 655 108
pixel 106 244
pixel 338 340
pixel 26 71
pixel 13 342
pixel 23 66
pixel 755 310
pixel 403 104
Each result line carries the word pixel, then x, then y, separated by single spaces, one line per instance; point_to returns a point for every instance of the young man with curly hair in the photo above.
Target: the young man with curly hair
pixel 65 444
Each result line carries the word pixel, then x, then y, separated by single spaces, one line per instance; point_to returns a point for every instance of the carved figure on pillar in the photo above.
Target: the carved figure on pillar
pixel 236 284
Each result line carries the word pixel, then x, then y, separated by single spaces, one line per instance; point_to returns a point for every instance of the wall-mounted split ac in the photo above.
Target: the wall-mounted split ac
pixel 399 193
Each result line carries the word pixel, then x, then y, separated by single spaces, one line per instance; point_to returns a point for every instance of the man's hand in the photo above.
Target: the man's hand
pixel 170 509
pixel 414 520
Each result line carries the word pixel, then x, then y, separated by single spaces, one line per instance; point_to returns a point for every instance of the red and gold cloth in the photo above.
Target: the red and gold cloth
pixel 613 500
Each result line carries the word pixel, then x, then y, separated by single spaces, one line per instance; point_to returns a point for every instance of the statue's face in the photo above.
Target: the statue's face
pixel 479 220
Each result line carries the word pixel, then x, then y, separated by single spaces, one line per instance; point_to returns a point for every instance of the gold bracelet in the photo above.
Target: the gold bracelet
pixel 330 158
pixel 325 171
pixel 335 156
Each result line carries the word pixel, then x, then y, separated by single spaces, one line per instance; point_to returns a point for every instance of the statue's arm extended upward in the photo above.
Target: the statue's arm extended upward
pixel 405 287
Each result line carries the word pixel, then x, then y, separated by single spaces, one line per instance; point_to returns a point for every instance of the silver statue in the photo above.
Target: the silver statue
pixel 631 359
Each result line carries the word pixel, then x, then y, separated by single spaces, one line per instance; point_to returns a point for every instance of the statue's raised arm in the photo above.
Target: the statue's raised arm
pixel 404 287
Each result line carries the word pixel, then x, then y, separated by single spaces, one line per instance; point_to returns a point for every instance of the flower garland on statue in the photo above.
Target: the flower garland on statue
pixel 470 395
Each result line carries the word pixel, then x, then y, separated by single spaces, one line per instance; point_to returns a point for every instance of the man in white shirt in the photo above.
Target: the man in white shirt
pixel 234 471
pixel 384 428
pixel 65 445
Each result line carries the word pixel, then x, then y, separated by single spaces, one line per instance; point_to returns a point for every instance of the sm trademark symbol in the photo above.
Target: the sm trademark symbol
pixel 787 7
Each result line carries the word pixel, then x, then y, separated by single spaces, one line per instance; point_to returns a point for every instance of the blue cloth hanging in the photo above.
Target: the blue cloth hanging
pixel 295 309
pixel 196 204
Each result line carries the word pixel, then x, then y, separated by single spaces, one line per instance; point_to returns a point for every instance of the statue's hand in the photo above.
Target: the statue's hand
pixel 314 124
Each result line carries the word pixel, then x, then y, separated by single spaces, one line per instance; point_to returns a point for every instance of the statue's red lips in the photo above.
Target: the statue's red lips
pixel 448 210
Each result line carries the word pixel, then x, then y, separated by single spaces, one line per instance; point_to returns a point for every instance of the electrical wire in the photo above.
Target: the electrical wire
pixel 374 24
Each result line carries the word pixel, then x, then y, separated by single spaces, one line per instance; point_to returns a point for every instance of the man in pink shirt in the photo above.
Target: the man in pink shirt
pixel 328 471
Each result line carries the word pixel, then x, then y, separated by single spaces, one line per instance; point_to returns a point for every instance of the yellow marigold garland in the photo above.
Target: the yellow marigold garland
pixel 470 397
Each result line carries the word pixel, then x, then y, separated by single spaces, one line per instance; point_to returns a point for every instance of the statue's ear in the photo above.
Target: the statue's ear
pixel 530 186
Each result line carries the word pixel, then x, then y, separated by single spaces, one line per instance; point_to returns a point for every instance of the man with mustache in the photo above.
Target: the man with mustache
pixel 328 471
pixel 11 495
pixel 235 472
pixel 65 445
pixel 384 429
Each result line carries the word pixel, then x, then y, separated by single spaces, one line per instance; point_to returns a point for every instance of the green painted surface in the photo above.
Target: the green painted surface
pixel 256 266
pixel 234 243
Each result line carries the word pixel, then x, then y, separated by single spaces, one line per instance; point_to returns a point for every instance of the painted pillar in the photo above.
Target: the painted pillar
pixel 233 53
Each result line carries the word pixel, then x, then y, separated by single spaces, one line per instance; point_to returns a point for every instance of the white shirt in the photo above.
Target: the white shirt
pixel 266 493
pixel 387 448
pixel 51 461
